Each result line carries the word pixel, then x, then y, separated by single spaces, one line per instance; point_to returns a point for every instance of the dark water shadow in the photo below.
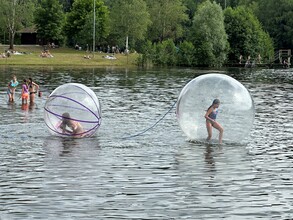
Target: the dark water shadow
pixel 64 147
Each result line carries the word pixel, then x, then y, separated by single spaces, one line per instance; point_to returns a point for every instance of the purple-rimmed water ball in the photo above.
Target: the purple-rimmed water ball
pixel 72 110
pixel 235 113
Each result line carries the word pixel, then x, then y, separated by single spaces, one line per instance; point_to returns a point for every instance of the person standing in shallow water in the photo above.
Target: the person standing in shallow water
pixel 211 122
pixel 33 90
pixel 11 88
pixel 24 92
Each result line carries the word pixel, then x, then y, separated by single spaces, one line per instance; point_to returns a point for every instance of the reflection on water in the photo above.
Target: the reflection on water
pixel 158 175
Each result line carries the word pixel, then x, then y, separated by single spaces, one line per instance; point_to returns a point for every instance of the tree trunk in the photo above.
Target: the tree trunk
pixel 12 26
pixel 11 40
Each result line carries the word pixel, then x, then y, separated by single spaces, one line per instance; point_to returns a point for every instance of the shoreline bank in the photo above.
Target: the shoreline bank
pixel 32 55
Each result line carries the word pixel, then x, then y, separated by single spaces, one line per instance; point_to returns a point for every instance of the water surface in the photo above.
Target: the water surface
pixel 157 175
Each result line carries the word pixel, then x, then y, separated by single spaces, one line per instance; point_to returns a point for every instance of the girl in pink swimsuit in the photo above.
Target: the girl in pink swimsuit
pixel 24 92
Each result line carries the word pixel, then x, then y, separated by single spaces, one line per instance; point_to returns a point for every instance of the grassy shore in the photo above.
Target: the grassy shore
pixel 64 57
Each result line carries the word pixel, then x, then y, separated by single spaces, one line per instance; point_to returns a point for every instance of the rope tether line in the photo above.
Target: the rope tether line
pixel 152 126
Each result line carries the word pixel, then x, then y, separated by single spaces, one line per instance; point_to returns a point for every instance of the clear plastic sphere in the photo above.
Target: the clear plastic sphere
pixel 72 109
pixel 235 113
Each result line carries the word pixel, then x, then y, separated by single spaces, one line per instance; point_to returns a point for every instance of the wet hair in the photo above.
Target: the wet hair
pixel 66 117
pixel 30 79
pixel 215 102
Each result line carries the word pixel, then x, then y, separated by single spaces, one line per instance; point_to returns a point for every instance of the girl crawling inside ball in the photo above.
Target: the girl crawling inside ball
pixel 211 122
pixel 70 126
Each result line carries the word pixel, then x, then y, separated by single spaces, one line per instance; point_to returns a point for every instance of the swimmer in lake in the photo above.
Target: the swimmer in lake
pixel 71 126
pixel 211 122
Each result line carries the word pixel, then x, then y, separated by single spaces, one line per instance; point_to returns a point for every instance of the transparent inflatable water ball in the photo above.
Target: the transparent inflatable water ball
pixel 235 113
pixel 74 110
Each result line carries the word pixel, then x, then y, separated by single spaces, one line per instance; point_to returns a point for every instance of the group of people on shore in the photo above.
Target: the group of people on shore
pixel 249 62
pixel 9 53
pixel 29 89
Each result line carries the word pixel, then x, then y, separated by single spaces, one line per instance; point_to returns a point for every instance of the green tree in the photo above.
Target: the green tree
pixel 167 18
pixel 2 31
pixel 277 19
pixel 148 53
pixel 246 35
pixel 208 35
pixel 185 54
pixel 80 22
pixel 67 4
pixel 129 19
pixel 165 53
pixel 16 14
pixel 191 6
pixel 228 3
pixel 247 3
pixel 49 19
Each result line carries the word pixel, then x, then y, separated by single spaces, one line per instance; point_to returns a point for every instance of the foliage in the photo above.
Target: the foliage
pixel 147 56
pixel 80 21
pixel 16 14
pixel 129 18
pixel 186 54
pixel 167 18
pixel 208 35
pixel 228 3
pixel 67 4
pixel 191 6
pixel 245 35
pixel 49 19
pixel 194 26
pixel 165 53
pixel 277 19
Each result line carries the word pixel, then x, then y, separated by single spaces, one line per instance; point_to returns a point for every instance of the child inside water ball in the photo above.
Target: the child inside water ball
pixel 211 122
pixel 75 127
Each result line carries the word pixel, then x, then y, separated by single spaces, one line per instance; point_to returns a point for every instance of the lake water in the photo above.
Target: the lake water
pixel 157 175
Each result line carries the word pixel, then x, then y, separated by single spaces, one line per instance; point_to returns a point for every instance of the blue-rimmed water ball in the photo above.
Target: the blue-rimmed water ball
pixel 235 113
pixel 72 109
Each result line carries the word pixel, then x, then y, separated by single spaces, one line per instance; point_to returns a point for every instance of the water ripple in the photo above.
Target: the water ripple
pixel 158 175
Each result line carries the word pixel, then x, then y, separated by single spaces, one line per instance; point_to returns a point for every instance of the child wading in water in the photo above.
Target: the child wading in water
pixel 11 88
pixel 211 122
pixel 74 126
pixel 24 92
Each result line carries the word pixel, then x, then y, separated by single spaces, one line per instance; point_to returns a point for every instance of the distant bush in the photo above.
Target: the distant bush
pixel 186 54
pixel 165 53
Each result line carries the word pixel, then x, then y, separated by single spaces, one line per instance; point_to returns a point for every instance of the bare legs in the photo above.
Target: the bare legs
pixel 32 98
pixel 209 129
pixel 217 126
pixel 11 95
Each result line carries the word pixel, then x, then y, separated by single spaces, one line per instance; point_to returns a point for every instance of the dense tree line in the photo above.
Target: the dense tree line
pixel 164 32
